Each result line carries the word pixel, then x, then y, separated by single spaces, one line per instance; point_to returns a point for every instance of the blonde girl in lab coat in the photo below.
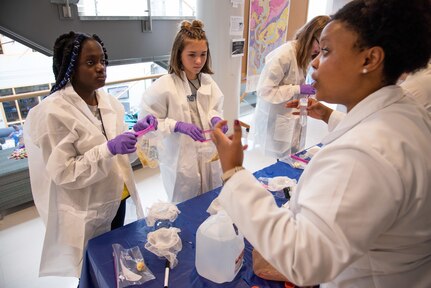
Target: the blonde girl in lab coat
pixel 77 154
pixel 187 103
pixel 360 216
pixel 277 132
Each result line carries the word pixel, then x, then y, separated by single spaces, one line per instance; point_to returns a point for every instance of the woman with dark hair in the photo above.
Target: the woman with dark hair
pixel 277 132
pixel 187 103
pixel 79 168
pixel 360 216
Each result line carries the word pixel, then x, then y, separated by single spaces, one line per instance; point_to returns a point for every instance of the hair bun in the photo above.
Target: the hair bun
pixel 197 24
pixel 186 25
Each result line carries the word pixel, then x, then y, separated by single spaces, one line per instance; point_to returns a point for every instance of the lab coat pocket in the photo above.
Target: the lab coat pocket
pixel 72 225
pixel 284 128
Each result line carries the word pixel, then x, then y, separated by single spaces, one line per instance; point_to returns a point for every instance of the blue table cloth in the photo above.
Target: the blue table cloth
pixel 98 263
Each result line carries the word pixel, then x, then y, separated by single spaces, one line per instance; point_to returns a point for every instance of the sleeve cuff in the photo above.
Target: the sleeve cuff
pixel 104 151
pixel 229 173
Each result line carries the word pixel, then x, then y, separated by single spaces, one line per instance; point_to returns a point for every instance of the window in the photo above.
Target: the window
pixel 316 8
pixel 139 8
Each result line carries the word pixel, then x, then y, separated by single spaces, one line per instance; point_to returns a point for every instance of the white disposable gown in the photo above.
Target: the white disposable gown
pixel 419 87
pixel 181 156
pixel 360 216
pixel 76 182
pixel 276 130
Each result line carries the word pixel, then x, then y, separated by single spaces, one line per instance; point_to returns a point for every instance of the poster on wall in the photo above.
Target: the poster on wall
pixel 267 30
pixel 237 48
pixel 236 25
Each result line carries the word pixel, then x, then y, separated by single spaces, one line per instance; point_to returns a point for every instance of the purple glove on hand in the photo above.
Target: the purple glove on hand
pixel 190 130
pixel 123 144
pixel 145 123
pixel 307 89
pixel 215 120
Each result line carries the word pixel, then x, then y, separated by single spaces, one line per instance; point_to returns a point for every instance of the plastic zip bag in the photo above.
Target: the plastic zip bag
pixel 130 268
pixel 148 149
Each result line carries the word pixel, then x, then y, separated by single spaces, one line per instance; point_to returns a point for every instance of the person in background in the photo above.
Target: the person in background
pixel 77 149
pixel 187 103
pixel 277 132
pixel 360 214
pixel 417 86
pixel 16 135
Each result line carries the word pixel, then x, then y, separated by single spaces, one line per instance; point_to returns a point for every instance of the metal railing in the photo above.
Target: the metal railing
pixel 14 97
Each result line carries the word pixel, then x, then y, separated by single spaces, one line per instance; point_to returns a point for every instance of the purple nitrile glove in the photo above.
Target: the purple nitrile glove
pixel 190 130
pixel 215 120
pixel 123 144
pixel 145 122
pixel 307 89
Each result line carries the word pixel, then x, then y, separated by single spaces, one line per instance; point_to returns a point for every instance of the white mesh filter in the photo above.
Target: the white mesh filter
pixel 278 183
pixel 165 242
pixel 161 211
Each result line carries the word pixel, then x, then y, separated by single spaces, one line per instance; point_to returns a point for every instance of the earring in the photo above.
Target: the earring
pixel 364 71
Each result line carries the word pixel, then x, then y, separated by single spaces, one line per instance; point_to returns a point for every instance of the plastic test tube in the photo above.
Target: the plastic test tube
pixel 303 103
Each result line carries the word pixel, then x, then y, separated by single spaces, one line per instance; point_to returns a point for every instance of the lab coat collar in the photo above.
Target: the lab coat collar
pixel 374 102
pixel 106 110
pixel 109 114
pixel 205 88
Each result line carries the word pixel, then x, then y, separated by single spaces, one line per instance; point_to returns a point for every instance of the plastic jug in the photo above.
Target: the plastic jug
pixel 219 248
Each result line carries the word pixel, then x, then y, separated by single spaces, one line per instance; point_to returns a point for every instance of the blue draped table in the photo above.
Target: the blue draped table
pixel 98 263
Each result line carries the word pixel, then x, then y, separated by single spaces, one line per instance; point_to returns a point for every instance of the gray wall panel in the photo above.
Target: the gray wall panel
pixel 39 21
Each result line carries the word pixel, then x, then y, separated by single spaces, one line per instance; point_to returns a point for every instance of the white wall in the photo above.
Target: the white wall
pixel 216 15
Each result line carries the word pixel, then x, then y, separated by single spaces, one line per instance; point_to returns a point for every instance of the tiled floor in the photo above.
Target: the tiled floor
pixel 22 231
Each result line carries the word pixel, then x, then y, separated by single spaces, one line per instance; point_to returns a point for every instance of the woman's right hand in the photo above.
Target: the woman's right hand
pixel 230 149
pixel 123 144
pixel 315 109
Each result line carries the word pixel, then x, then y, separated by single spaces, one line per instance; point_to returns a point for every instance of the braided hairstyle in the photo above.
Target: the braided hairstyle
pixel 188 31
pixel 67 48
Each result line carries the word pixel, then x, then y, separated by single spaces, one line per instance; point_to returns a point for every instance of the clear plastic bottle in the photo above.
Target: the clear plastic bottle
pixel 219 248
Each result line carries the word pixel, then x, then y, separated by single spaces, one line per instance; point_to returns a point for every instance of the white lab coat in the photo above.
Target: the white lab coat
pixel 76 182
pixel 419 87
pixel 181 156
pixel 276 130
pixel 360 216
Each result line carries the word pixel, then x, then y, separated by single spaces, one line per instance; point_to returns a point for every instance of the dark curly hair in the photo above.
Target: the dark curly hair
pixel 401 27
pixel 67 48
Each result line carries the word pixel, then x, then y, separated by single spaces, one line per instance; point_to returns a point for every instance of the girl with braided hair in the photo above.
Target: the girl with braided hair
pixel 187 102
pixel 80 172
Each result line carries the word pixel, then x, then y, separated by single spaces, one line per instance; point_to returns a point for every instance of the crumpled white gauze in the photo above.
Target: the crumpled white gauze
pixel 165 242
pixel 280 182
pixel 161 211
